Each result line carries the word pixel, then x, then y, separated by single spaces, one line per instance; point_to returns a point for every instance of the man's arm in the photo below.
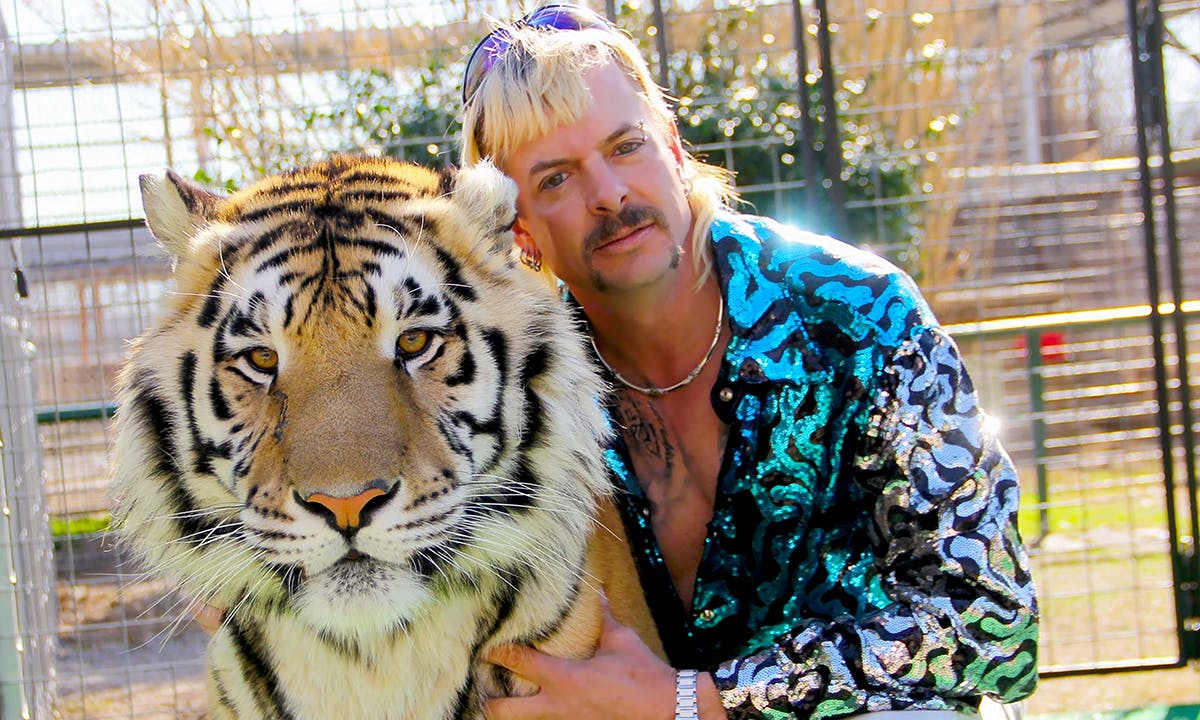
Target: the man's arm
pixel 963 622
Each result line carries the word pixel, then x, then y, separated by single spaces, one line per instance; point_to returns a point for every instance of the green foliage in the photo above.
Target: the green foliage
pixel 382 117
pixel 373 112
pixel 746 115
pixel 65 527
pixel 741 112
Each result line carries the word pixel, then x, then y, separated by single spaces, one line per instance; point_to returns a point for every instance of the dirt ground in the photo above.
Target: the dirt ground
pixel 1115 691
pixel 119 657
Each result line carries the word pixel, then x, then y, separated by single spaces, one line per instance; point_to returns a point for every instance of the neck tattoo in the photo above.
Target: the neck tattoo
pixel 656 391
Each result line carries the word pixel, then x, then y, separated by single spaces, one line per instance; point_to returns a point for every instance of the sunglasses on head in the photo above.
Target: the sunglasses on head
pixel 493 46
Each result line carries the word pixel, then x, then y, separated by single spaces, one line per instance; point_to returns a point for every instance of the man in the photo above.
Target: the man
pixel 824 521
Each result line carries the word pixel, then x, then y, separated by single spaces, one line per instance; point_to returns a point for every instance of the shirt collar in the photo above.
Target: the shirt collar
pixel 770 340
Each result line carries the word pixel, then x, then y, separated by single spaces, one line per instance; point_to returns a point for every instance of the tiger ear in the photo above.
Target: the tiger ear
pixel 176 208
pixel 489 197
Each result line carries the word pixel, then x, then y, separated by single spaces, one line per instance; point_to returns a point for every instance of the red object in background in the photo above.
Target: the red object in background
pixel 1052 345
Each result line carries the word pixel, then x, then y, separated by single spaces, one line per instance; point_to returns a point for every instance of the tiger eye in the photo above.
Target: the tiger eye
pixel 263 358
pixel 412 342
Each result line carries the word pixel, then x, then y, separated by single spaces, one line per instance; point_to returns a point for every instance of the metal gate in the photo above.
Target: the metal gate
pixel 1168 317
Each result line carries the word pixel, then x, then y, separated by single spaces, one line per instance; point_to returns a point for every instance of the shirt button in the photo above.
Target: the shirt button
pixel 646 511
pixel 707 615
pixel 726 394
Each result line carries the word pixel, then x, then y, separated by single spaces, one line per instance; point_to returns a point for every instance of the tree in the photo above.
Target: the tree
pixel 375 114
pixel 743 111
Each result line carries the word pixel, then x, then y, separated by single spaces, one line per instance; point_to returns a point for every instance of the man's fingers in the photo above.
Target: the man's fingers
pixel 523 708
pixel 209 617
pixel 613 634
pixel 523 660
pixel 609 623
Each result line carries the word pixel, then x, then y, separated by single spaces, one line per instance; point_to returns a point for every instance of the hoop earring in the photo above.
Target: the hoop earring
pixel 531 259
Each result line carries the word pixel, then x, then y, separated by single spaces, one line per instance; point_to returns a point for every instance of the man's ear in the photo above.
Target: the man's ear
pixel 676 144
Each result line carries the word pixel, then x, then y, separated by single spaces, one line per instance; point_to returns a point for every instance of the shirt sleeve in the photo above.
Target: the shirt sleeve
pixel 963 618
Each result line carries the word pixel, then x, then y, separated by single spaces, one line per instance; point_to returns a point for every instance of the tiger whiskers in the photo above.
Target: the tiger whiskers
pixel 248 596
pixel 531 546
pixel 198 570
pixel 210 534
pixel 207 295
pixel 446 554
pixel 578 574
pixel 408 254
pixel 421 238
pixel 487 567
pixel 222 512
pixel 184 606
pixel 565 503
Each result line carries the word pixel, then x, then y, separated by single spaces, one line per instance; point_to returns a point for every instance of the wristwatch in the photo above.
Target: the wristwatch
pixel 686 705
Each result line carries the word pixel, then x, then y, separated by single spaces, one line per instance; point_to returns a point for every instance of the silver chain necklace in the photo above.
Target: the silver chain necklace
pixel 654 391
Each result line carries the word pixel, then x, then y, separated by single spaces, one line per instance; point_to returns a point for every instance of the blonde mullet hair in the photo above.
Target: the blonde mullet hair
pixel 539 84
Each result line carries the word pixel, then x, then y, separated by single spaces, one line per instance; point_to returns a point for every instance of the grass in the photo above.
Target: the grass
pixel 74 526
pixel 1079 501
pixel 1105 588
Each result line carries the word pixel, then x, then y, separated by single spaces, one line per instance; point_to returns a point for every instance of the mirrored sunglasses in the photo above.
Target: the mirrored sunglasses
pixel 493 46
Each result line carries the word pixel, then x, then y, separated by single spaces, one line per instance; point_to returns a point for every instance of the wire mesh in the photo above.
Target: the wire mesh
pixel 987 147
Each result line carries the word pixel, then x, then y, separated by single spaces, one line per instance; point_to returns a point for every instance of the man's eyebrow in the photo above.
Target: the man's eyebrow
pixel 613 136
pixel 624 130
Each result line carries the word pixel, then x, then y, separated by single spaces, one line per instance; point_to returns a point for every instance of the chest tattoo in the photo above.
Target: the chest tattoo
pixel 645 432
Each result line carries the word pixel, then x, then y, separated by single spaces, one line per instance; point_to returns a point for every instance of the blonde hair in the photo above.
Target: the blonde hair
pixel 538 84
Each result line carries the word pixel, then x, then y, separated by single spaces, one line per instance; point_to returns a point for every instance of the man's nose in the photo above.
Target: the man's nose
pixel 608 191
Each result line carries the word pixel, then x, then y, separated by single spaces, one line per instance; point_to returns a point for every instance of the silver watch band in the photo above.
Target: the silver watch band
pixel 686 704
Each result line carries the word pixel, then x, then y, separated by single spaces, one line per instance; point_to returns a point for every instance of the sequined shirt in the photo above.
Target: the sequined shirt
pixel 863 552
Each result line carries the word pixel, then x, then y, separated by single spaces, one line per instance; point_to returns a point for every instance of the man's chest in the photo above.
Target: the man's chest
pixel 675 446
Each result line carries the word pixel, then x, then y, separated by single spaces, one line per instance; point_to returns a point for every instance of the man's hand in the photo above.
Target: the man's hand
pixel 624 679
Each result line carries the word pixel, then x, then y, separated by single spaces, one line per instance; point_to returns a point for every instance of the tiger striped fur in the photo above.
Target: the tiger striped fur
pixel 369 435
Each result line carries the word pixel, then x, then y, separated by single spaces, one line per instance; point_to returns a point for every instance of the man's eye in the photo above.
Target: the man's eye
pixel 629 146
pixel 552 181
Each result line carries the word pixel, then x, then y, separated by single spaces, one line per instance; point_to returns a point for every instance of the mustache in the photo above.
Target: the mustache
pixel 629 217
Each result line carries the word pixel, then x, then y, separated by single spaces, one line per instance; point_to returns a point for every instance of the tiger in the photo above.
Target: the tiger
pixel 372 437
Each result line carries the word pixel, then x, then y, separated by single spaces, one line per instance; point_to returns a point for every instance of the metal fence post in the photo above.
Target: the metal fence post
pixel 808 160
pixel 1037 408
pixel 1153 142
pixel 28 601
pixel 833 130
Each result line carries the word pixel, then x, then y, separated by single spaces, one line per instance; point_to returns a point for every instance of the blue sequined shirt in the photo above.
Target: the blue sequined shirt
pixel 863 552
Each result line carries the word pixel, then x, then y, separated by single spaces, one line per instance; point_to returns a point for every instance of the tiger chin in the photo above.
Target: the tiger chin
pixel 370 436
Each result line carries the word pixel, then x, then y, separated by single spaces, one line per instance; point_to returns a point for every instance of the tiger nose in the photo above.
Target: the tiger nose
pixel 347 514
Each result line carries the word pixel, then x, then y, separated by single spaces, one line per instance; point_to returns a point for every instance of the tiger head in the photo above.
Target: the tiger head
pixel 354 402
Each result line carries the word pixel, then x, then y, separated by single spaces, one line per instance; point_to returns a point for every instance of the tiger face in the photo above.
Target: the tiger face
pixel 355 409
